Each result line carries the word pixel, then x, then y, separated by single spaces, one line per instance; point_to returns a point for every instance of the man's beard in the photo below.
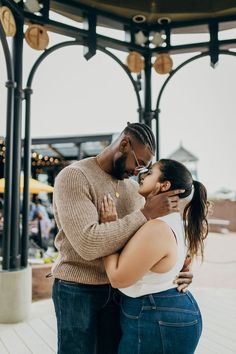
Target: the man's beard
pixel 118 168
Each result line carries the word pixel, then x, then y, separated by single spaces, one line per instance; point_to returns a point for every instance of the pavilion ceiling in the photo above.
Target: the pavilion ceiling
pixel 116 13
pixel 161 17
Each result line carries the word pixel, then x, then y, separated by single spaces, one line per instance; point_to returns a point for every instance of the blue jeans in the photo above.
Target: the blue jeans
pixel 88 318
pixel 168 322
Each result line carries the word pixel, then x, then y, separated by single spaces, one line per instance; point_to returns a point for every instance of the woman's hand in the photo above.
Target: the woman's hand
pixel 108 210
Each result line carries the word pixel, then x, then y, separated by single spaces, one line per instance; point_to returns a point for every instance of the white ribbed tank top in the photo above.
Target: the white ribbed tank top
pixel 156 282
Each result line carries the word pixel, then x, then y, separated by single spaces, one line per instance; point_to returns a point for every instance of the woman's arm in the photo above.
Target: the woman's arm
pixel 151 243
pixel 108 213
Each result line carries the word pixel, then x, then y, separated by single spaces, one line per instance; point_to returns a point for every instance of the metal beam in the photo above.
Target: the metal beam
pixel 71 139
pixel 91 42
pixel 56 151
pixel 214 43
pixel 107 42
pixel 148 114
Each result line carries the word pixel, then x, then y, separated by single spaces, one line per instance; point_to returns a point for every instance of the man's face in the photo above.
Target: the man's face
pixel 138 157
pixel 119 167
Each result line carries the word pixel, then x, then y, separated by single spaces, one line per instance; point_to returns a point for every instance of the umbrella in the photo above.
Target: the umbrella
pixel 35 186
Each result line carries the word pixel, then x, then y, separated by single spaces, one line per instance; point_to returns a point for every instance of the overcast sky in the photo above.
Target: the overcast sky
pixel 76 97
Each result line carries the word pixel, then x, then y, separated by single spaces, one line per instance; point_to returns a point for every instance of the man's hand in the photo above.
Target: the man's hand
pixel 161 204
pixel 108 210
pixel 187 263
pixel 185 277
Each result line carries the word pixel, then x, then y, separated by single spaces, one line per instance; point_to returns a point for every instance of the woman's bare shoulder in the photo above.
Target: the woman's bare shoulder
pixel 153 228
pixel 155 225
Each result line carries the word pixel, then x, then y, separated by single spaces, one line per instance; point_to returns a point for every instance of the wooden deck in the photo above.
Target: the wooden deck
pixel 218 307
pixel 214 288
pixel 38 334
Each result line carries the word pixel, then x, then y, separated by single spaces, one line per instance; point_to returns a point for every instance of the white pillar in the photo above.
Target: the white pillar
pixel 15 295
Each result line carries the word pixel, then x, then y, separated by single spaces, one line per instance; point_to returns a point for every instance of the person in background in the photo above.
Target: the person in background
pixel 155 318
pixel 40 222
pixel 85 303
pixel 45 222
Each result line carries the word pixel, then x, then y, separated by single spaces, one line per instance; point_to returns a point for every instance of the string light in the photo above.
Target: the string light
pixel 37 159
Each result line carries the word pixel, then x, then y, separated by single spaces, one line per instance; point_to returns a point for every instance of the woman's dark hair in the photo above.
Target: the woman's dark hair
pixel 195 212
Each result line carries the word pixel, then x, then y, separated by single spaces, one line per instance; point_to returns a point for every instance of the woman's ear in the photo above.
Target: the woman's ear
pixel 165 186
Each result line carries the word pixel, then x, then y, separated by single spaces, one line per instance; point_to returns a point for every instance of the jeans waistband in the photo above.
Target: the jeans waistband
pixel 81 285
pixel 152 299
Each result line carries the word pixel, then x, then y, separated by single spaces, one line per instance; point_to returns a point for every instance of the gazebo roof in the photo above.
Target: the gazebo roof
pixel 161 18
pixel 183 155
pixel 115 13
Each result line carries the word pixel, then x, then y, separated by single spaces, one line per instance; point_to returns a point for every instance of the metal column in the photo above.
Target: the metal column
pixel 17 53
pixel 148 114
pixel 8 157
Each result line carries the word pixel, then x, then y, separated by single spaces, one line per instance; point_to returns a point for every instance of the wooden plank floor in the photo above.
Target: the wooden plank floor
pixel 214 288
pixel 37 335
pixel 218 307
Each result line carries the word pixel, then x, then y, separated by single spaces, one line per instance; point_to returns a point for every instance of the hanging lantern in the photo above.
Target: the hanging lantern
pixel 8 21
pixel 163 64
pixel 37 37
pixel 135 62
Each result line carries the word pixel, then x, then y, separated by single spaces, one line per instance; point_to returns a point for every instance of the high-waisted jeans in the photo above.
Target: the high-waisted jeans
pixel 88 318
pixel 168 322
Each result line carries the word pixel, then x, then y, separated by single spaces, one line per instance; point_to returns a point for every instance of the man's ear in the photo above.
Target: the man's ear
pixel 165 186
pixel 124 145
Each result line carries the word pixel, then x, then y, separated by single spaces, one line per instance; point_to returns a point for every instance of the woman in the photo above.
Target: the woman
pixel 155 318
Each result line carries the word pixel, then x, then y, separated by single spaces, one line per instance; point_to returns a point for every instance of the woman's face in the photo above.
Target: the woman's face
pixel 150 181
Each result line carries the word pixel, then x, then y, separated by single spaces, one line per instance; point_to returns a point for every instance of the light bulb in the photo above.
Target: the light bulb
pixel 157 39
pixel 140 38
pixel 32 5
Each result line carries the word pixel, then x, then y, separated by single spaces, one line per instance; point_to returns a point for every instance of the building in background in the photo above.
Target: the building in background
pixel 187 158
pixel 50 154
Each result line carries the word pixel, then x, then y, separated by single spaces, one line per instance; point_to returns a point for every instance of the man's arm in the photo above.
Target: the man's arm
pixel 78 217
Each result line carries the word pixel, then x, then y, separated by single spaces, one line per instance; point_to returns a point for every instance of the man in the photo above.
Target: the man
pixel 85 303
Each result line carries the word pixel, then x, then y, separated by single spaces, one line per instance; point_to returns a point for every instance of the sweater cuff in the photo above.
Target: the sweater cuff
pixel 140 216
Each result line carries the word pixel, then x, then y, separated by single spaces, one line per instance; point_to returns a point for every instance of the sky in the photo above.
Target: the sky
pixel 73 96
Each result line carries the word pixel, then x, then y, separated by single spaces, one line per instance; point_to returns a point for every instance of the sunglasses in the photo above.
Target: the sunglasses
pixel 139 168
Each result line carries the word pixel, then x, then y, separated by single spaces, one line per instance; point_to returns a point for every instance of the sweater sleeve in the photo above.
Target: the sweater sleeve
pixel 78 217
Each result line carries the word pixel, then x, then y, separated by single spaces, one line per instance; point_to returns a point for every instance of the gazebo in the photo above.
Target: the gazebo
pixel 187 158
pixel 147 27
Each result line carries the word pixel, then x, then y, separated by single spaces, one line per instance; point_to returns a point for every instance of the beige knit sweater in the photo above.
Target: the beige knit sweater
pixel 81 240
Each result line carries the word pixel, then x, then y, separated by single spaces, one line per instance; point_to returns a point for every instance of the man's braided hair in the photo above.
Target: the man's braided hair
pixel 142 133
